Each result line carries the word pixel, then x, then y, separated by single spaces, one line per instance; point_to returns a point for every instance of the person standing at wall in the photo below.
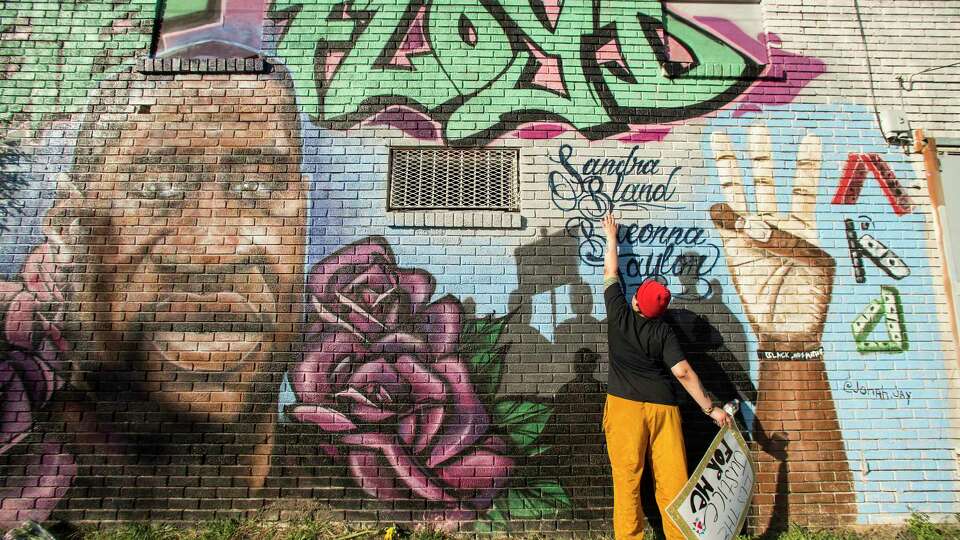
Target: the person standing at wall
pixel 641 419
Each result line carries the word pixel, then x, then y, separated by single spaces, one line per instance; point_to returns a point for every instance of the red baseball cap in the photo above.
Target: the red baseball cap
pixel 652 298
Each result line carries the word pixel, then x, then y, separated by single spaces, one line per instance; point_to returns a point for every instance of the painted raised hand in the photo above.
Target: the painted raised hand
pixel 782 275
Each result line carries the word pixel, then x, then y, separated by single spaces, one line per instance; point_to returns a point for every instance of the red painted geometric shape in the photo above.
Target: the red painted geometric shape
pixel 855 174
pixel 851 180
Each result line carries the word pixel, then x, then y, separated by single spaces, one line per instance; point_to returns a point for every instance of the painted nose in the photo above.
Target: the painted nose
pixel 221 235
pixel 217 240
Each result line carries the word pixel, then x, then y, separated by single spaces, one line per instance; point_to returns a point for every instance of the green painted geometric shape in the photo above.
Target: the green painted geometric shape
pixel 889 308
pixel 880 346
pixel 867 320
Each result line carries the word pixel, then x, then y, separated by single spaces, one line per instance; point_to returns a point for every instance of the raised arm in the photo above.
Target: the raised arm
pixel 616 304
pixel 610 262
pixel 691 383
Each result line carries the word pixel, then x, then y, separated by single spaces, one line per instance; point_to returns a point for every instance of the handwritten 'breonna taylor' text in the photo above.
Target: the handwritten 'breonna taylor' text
pixel 599 186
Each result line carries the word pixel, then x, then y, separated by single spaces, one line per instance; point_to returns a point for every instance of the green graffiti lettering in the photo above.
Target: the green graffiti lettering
pixel 471 47
pixel 301 45
pixel 485 67
pixel 535 44
pixel 649 88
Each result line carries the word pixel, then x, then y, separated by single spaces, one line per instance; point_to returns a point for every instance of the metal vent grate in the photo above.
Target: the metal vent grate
pixel 454 179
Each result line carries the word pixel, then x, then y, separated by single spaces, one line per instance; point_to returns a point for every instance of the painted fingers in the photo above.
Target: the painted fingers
pixel 761 156
pixel 806 181
pixel 731 181
pixel 761 226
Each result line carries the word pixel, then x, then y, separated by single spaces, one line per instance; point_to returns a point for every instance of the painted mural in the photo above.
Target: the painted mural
pixel 597 187
pixel 225 313
pixel 785 283
pixel 409 390
pixel 451 60
pixel 851 307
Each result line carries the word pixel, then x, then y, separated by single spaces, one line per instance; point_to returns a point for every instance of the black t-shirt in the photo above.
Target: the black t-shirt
pixel 642 351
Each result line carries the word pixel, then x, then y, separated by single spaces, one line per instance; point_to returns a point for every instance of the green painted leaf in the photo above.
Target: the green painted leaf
pixel 481 335
pixel 493 330
pixel 482 360
pixel 541 500
pixel 534 451
pixel 487 369
pixel 496 516
pixel 478 343
pixel 493 376
pixel 523 421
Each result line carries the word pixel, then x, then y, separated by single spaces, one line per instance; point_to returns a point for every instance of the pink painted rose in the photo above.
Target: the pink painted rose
pixel 34 495
pixel 32 315
pixel 30 372
pixel 386 379
pixel 361 290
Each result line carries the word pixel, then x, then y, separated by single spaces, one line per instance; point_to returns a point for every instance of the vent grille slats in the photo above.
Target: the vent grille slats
pixel 454 179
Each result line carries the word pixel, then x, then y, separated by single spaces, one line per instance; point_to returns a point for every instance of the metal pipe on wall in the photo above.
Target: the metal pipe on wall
pixel 931 164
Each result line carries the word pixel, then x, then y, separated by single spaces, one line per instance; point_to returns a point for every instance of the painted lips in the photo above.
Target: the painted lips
pixel 217 331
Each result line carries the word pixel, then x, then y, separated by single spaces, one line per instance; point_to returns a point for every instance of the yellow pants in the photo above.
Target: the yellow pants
pixel 638 432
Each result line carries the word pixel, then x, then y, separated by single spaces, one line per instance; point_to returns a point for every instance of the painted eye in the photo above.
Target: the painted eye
pixel 159 190
pixel 246 185
pixel 254 188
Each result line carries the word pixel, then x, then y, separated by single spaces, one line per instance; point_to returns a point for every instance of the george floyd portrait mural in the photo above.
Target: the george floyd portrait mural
pixel 208 309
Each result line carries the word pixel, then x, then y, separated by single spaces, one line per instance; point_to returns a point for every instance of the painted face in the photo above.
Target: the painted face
pixel 201 214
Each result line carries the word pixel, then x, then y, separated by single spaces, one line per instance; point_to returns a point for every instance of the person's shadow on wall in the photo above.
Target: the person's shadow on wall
pixel 712 337
pixel 543 266
pixel 576 439
pixel 548 270
pixel 581 332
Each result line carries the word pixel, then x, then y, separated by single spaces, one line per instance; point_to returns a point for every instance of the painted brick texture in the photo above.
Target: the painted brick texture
pixel 209 309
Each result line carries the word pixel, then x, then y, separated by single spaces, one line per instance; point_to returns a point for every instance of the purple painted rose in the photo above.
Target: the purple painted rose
pixel 361 290
pixel 33 314
pixel 389 382
pixel 35 494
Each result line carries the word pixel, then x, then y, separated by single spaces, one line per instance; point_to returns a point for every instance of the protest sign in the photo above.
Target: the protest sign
pixel 713 504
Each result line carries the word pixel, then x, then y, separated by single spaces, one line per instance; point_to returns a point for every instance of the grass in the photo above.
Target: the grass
pixel 305 529
pixel 917 527
pixel 316 525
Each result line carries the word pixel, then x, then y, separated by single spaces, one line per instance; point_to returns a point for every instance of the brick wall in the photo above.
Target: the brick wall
pixel 210 310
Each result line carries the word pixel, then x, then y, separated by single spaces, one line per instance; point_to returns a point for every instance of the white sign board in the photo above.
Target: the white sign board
pixel 714 502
